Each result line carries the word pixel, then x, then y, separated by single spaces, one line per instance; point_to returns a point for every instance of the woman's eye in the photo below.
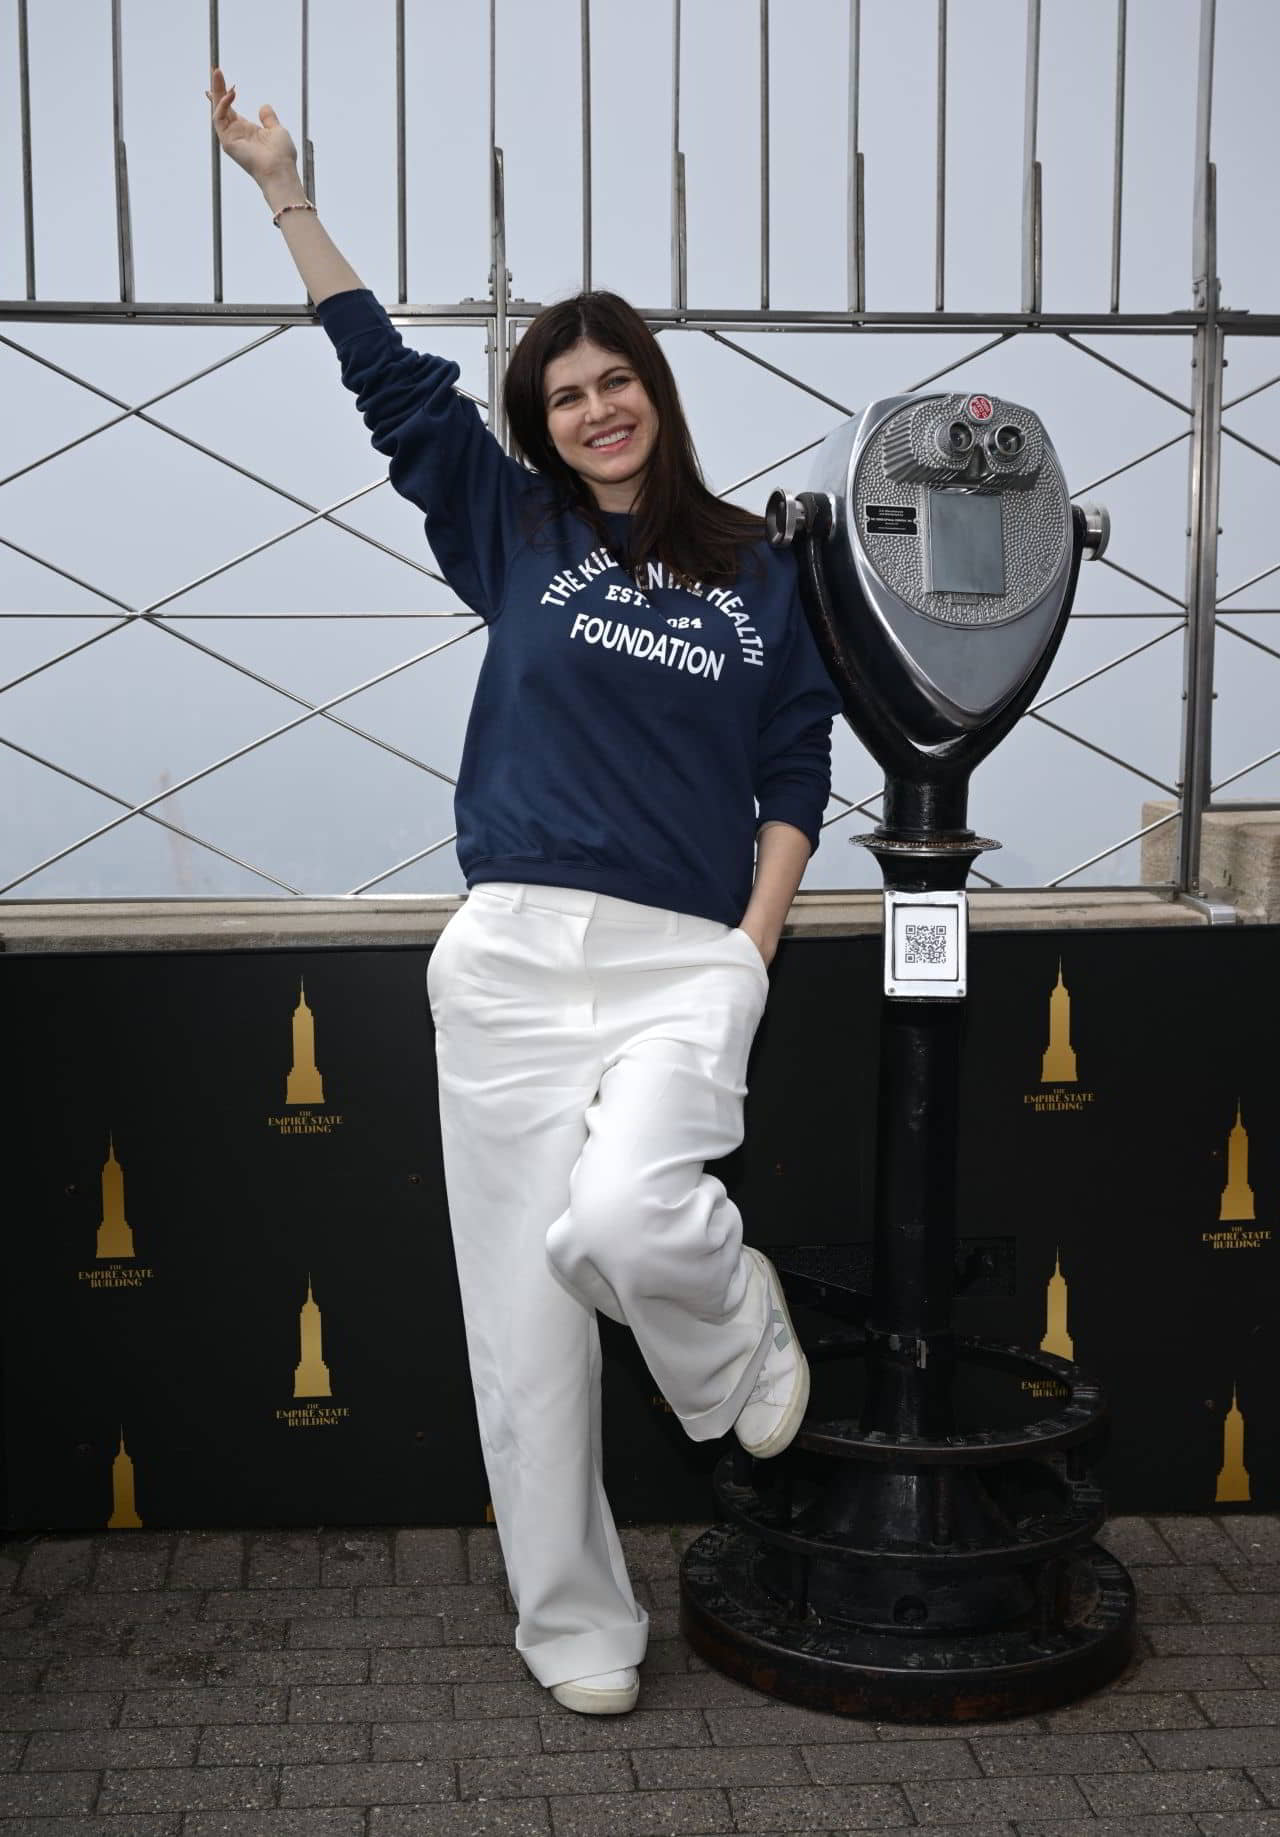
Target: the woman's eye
pixel 616 382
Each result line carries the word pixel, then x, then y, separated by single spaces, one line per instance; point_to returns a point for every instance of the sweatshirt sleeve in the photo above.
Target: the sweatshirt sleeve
pixel 443 458
pixel 793 757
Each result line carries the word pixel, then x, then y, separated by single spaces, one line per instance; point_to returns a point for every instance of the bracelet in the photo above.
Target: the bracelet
pixel 307 205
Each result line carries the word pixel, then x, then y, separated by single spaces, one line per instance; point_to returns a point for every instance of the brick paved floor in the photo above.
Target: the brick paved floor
pixel 364 1684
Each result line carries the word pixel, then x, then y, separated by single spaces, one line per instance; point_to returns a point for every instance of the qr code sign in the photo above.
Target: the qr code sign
pixel 925 944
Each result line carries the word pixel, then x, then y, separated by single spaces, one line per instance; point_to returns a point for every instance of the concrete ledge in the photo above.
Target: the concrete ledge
pixel 1239 852
pixel 367 920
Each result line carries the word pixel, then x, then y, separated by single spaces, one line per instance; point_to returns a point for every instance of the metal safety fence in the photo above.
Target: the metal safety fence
pixel 1195 621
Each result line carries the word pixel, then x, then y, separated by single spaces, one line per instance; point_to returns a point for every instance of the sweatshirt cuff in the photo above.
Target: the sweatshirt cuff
pixel 346 315
pixel 799 812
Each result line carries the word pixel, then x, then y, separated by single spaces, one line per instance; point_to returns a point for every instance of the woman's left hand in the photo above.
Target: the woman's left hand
pixel 765 945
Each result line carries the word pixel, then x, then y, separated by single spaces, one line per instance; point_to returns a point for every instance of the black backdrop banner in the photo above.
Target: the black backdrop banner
pixel 231 1297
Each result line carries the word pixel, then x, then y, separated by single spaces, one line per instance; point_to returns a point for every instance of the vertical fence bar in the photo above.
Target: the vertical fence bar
pixel 1032 245
pixel 215 58
pixel 124 226
pixel 679 226
pixel 586 144
pixel 856 224
pixel 1206 456
pixel 499 279
pixel 1117 180
pixel 402 240
pixel 308 151
pixel 24 103
pixel 940 201
pixel 764 153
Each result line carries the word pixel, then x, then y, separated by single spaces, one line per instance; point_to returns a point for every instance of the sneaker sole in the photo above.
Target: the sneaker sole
pixel 785 1433
pixel 589 1702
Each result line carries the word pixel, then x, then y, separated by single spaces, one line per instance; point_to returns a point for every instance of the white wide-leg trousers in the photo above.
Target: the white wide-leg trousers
pixel 591 1055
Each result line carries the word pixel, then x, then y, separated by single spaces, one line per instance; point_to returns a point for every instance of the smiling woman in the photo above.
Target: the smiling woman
pixel 644 777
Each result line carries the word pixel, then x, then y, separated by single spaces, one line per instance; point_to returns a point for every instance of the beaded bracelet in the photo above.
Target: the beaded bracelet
pixel 308 205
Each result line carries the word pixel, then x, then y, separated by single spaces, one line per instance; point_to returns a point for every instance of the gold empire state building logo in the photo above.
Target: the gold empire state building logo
pixel 114 1236
pixel 1056 1337
pixel 1237 1194
pixel 311 1374
pixel 124 1512
pixel 1059 1065
pixel 305 1083
pixel 1233 1477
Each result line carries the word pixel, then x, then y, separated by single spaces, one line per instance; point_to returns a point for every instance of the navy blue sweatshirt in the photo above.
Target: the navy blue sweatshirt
pixel 625 728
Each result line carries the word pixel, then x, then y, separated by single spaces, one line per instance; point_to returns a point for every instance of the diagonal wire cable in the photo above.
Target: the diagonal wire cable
pixel 1115 847
pixel 1246 638
pixel 1079 683
pixel 1132 375
pixel 1102 753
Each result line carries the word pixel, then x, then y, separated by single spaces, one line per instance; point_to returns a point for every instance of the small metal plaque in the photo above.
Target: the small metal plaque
pixel 926 945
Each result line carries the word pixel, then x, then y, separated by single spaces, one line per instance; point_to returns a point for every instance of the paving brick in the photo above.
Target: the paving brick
pixel 1240 1824
pixel 826 1808
pixel 211 1635
pixel 1106 1711
pixel 1249 1610
pixel 641 1814
pixel 1267 1780
pixel 28 1795
pixel 123 1607
pixel 10 1570
pixel 1155 1674
pixel 272 1604
pixel 693 1690
pixel 1162 1824
pixel 1046 1796
pixel 209 1703
pixel 20 1674
pixel 350 1557
pixel 1135 1540
pixel 1117 1795
pixel 1186 1578
pixel 484 1556
pixel 429 1554
pixel 456 1599
pixel 1241 1708
pixel 563 1731
pixel 368 1783
pixel 1256 1578
pixel 754 1725
pixel 1174 1642
pixel 284 1559
pixel 649 1550
pixel 446 1739
pixel 55 1563
pixel 890 1761
pixel 42 1641
pixel 1199 1540
pixel 448 1665
pixel 139 1671
pixel 505 1818
pixel 1063 1754
pixel 1266 1669
pixel 368 1702
pixel 58 1750
pixel 310 1823
pixel 168 1825
pixel 156 1789
pixel 673 1768
pixel 341 1667
pixel 365 1632
pixel 1257 1537
pixel 1217 1747
pixel 1164 1610
pixel 89 1709
pixel 478 1630
pixel 136 1559
pixel 526 1698
pixel 954 1731
pixel 11 1747
pixel 535 1775
pixel 208 1559
pixel 663 1656
pixel 296 1744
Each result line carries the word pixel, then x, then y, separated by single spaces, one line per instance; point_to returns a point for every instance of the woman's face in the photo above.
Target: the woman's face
pixel 600 420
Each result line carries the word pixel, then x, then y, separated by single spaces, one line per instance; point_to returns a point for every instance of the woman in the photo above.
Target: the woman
pixel 649 679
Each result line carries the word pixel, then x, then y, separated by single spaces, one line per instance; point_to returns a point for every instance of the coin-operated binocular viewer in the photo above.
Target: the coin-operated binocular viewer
pixel 897 1562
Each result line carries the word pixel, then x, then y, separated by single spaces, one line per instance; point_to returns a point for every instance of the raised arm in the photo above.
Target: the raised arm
pixel 269 156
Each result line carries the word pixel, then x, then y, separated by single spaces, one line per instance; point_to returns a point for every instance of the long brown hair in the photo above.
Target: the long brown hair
pixel 676 520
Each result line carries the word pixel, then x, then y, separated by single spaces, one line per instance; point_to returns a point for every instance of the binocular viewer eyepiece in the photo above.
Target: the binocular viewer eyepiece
pixel 938 550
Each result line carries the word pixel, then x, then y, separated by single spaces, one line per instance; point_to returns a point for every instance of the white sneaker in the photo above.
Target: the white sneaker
pixel 605 1693
pixel 769 1419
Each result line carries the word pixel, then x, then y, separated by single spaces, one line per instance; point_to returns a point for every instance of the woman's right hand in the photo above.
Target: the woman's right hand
pixel 263 151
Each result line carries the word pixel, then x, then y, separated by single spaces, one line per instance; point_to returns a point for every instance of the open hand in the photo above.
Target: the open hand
pixel 262 151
